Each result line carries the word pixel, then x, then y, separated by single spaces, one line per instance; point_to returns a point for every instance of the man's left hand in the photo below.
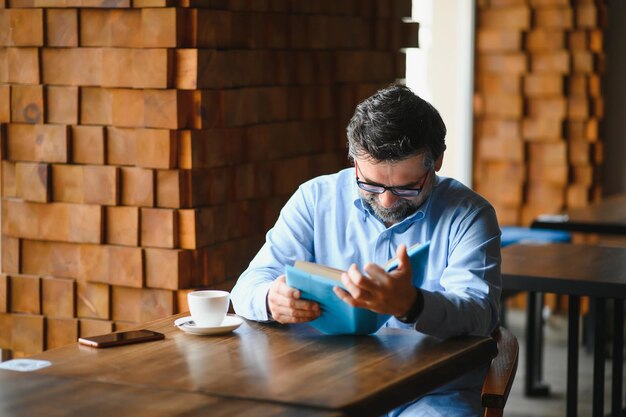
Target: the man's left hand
pixel 380 291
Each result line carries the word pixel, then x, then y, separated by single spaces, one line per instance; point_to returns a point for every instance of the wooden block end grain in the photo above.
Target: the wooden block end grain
pixel 58 297
pixel 5 294
pixel 121 146
pixel 138 187
pixel 25 294
pixel 122 226
pixel 174 188
pixel 156 304
pixel 62 105
pixel 95 106
pixel 127 107
pixel 93 300
pixel 117 65
pixel 94 327
pixel 9 186
pixel 94 263
pixel 11 255
pixel 159 228
pixel 61 27
pixel 85 223
pixel 33 182
pixel 38 143
pixel 36 257
pixel 27 104
pixel 28 333
pixel 168 268
pixel 23 66
pixel 126 303
pixel 67 183
pixel 162 27
pixel 498 40
pixel 101 185
pixel 197 227
pixel 167 109
pixel 59 66
pixel 126 266
pixel 6 330
pixel 5 103
pixel 158 148
pixel 153 68
pixel 21 27
pixel 61 332
pixel 88 145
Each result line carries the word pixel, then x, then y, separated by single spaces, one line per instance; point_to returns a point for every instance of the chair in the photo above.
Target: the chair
pixel 501 374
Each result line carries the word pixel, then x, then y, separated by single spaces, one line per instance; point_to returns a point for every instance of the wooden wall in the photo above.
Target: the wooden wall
pixel 539 105
pixel 148 145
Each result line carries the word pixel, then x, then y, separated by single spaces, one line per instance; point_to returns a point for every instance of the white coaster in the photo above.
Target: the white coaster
pixel 24 365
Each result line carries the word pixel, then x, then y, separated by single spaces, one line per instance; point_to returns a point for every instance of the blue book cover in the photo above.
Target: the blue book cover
pixel 316 283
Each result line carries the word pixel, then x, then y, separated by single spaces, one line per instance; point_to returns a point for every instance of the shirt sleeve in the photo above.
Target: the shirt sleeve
pixel 471 281
pixel 289 240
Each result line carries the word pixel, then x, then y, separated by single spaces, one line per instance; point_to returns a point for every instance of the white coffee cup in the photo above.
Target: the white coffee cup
pixel 209 307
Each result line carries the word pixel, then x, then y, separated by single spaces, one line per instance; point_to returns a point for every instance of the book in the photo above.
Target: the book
pixel 316 282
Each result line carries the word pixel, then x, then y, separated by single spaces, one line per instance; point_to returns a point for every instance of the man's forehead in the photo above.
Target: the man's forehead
pixel 409 162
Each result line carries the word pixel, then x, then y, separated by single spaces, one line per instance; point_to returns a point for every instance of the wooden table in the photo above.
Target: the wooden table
pixel 577 270
pixel 292 366
pixel 604 217
pixel 26 394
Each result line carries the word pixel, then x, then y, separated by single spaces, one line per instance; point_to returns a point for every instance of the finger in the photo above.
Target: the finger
pixel 378 276
pixel 285 290
pixel 287 319
pixel 360 284
pixel 286 311
pixel 277 301
pixel 359 293
pixel 348 299
pixel 284 314
pixel 404 263
pixel 365 282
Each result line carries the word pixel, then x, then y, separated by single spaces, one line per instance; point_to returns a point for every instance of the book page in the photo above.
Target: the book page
pixel 319 269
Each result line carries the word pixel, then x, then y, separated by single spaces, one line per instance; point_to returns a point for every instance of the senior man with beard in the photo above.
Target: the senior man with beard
pixel 392 198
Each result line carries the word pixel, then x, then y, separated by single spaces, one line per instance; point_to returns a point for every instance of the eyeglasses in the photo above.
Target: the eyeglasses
pixel 379 189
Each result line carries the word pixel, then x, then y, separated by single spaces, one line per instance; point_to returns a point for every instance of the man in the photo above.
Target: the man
pixel 363 216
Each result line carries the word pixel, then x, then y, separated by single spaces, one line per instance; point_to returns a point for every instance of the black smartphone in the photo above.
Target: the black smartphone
pixel 121 338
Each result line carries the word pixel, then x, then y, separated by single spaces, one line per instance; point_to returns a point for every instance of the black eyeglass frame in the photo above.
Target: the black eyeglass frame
pixel 397 191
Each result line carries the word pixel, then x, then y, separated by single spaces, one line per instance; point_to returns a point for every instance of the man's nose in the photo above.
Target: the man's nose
pixel 387 199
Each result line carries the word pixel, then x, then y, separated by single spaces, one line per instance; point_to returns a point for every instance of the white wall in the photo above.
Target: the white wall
pixel 441 71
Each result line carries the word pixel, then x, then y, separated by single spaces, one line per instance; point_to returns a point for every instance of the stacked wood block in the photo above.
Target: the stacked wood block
pixel 148 145
pixel 538 105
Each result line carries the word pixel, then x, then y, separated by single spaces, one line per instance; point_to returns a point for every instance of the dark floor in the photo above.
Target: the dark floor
pixel 555 361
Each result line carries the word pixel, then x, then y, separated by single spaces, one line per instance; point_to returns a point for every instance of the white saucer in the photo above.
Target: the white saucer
pixel 230 323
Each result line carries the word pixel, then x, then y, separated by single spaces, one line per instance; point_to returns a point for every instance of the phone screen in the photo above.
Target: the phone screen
pixel 121 338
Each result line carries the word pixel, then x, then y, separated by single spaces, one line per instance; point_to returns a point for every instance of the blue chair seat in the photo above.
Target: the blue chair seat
pixel 516 234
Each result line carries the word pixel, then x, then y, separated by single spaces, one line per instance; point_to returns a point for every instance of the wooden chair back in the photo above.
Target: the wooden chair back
pixel 501 374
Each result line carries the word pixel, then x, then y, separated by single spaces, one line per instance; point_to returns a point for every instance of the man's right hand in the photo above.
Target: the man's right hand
pixel 286 306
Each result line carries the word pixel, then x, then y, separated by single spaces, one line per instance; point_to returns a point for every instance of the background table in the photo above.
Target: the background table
pixel 577 270
pixel 294 366
pixel 604 217
pixel 607 217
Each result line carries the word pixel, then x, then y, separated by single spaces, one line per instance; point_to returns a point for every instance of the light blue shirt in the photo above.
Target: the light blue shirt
pixel 325 221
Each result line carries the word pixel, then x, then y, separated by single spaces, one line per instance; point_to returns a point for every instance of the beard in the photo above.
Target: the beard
pixel 395 214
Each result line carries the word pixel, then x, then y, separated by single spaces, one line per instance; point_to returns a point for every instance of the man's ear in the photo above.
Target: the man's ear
pixel 439 162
